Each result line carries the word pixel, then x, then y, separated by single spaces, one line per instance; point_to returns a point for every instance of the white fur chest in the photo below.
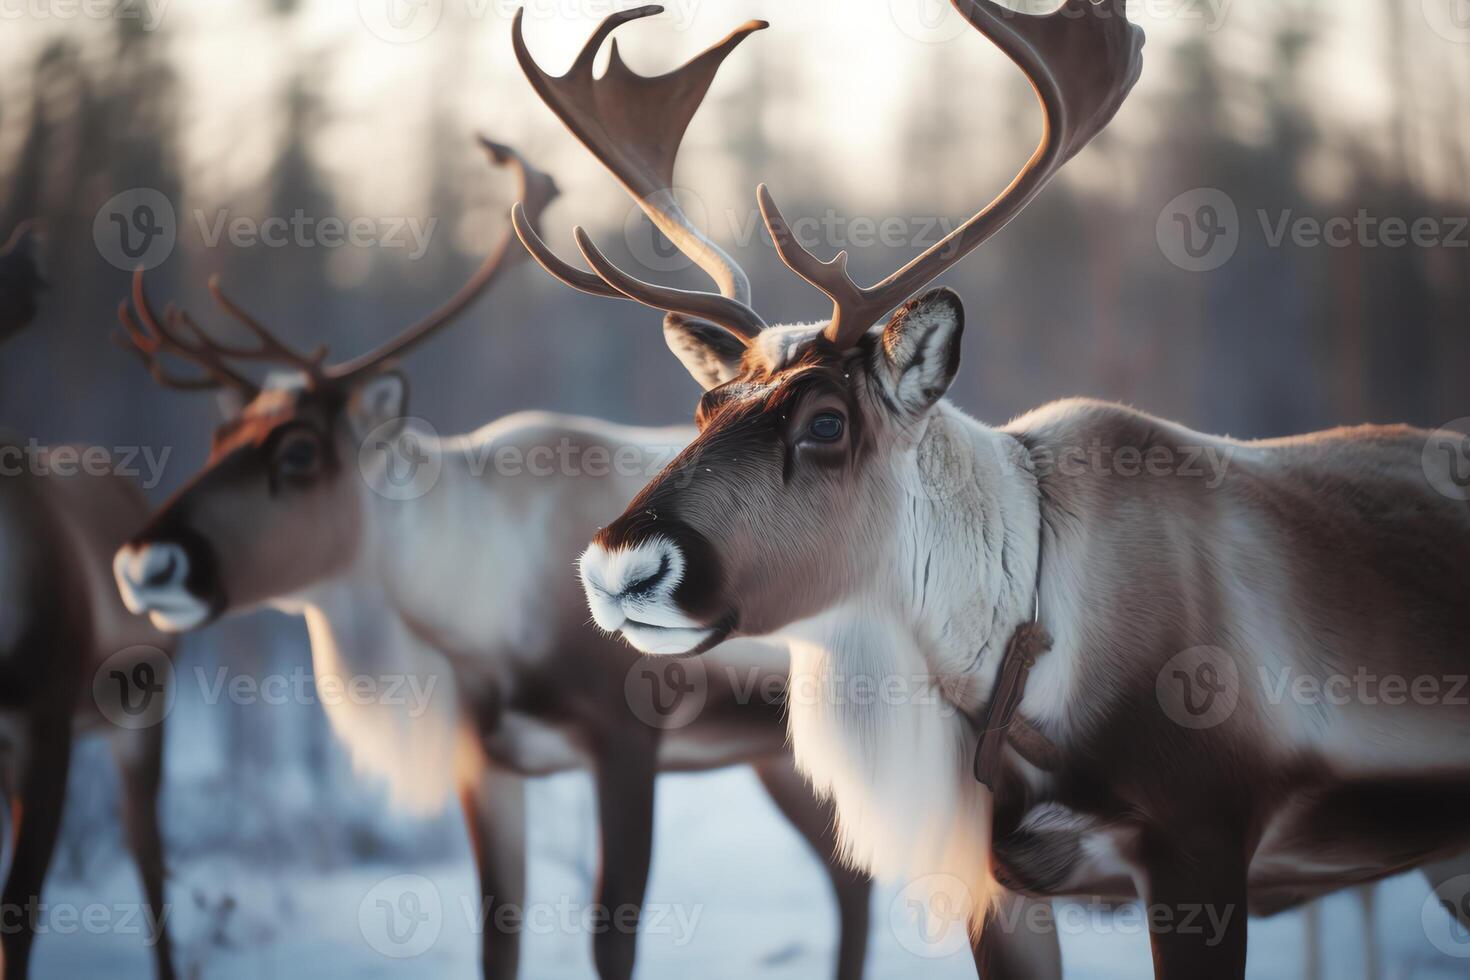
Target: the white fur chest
pixel 873 731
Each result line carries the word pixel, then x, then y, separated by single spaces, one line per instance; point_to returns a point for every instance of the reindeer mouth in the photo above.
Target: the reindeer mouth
pixel 631 590
pixel 178 617
pixel 153 580
pixel 671 640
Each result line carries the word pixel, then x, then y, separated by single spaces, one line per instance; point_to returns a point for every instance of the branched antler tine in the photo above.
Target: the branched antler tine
pixel 536 191
pixel 129 342
pixel 171 316
pixel 1082 60
pixel 135 338
pixel 737 318
pixel 851 304
pixel 633 125
pixel 562 271
pixel 271 347
pixel 154 338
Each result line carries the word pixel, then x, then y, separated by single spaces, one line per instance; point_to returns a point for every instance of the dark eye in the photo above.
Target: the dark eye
pixel 298 456
pixel 826 427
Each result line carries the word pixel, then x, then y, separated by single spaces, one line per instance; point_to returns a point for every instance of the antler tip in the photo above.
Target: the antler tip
pixel 499 152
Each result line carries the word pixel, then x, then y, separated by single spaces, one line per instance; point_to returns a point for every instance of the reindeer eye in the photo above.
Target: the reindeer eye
pixel 826 427
pixel 298 456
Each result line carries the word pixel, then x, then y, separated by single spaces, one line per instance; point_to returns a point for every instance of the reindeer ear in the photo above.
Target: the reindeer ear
pixel 381 399
pixel 919 352
pixel 712 354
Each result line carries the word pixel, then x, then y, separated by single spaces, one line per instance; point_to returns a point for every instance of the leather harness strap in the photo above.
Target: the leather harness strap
pixel 1001 725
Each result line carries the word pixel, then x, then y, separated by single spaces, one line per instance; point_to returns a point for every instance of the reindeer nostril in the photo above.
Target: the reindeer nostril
pixel 649 581
pixel 162 574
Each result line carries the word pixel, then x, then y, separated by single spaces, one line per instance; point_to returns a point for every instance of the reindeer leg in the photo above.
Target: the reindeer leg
pixel 815 821
pixel 1312 928
pixel 1019 942
pixel 139 756
pixel 1367 896
pixel 625 769
pixel 42 795
pixel 1195 901
pixel 494 805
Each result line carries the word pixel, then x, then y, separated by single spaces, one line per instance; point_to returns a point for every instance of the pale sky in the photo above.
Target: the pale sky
pixel 843 74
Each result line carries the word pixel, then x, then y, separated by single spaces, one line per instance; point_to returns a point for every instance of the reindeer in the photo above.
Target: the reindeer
pixel 61 623
pixel 1051 604
pixel 469 588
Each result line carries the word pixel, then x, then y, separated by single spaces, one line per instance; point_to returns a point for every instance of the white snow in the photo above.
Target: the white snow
pixel 754 903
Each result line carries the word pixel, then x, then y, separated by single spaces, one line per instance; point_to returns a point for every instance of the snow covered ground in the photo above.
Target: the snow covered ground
pixel 735 892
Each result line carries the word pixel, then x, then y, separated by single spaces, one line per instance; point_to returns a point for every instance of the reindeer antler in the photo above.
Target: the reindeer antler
pixel 158 337
pixel 177 334
pixel 1082 61
pixel 633 124
pixel 537 191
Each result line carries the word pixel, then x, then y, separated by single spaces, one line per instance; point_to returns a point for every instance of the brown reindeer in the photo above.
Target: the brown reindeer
pixel 464 584
pixel 834 499
pixel 60 620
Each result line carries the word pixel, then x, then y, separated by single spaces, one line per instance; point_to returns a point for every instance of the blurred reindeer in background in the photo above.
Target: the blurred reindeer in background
pixel 463 583
pixel 60 619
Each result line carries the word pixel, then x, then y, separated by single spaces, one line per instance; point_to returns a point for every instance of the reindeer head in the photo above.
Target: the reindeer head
pixel 279 505
pixel 812 438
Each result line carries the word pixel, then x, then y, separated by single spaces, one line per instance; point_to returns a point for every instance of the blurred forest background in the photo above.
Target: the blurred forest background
pixel 873 109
